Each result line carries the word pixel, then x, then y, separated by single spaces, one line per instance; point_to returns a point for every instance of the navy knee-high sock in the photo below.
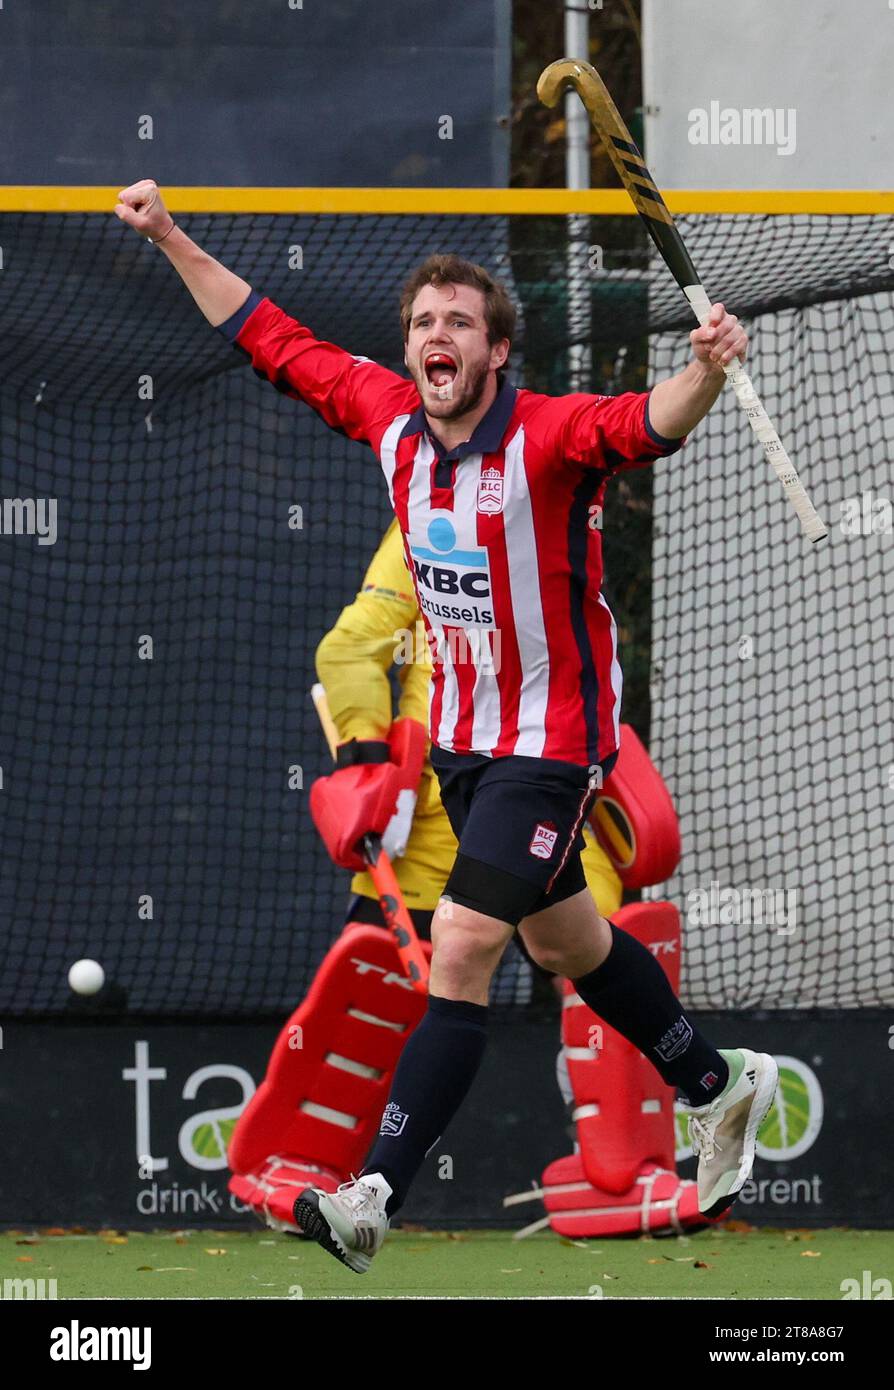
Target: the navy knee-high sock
pixel 632 993
pixel 433 1075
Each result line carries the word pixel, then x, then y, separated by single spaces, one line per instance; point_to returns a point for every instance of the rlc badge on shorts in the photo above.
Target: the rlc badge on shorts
pixel 543 841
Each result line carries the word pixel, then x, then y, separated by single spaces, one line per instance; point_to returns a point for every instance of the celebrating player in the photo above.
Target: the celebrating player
pixel 307 1123
pixel 494 488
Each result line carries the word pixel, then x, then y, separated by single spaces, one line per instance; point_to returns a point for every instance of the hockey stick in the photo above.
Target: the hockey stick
pixel 394 909
pixel 650 205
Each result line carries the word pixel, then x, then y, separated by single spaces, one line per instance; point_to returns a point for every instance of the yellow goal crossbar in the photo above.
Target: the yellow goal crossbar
pixel 526 201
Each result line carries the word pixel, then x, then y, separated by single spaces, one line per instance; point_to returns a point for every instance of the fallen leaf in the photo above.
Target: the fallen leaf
pixel 811 1254
pixel 115 1240
pixel 25 1259
pixel 180 1240
pixel 54 1231
pixel 511 1271
pixel 141 1268
pixel 700 1264
pixel 171 1269
pixel 739 1227
pixel 215 1252
pixel 28 1240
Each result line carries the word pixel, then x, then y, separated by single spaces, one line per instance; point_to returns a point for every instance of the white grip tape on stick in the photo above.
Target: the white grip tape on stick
pixel 763 427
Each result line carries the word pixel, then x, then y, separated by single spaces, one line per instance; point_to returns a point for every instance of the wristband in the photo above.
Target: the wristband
pixel 161 238
pixel 357 751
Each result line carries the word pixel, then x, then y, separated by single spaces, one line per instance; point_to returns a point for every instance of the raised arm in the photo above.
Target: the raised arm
pixel 352 394
pixel 677 404
pixel 216 290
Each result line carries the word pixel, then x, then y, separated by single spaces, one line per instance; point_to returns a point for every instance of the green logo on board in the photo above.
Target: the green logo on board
pixel 793 1121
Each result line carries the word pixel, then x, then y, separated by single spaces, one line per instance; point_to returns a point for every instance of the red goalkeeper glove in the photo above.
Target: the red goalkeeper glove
pixel 372 791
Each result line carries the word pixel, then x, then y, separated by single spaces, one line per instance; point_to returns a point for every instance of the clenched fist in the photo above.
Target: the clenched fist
pixel 141 207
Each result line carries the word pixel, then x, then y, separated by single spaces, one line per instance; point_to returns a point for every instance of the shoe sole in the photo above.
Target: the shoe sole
pixel 763 1099
pixel 310 1220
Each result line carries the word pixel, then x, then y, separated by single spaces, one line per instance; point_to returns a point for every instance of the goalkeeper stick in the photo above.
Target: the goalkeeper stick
pixel 394 909
pixel 651 207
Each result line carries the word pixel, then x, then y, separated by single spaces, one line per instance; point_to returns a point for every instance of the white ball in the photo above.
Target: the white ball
pixel 86 976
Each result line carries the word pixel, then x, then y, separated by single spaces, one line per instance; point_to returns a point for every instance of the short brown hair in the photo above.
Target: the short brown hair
pixel 499 311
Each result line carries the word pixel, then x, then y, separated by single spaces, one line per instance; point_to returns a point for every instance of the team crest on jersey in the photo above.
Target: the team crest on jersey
pixel 490 491
pixel 543 841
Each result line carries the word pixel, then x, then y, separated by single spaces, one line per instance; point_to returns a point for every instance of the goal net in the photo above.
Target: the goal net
pixel 157 742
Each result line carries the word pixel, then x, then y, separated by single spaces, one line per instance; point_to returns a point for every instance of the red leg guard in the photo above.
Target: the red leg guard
pixel 624 1111
pixel 271 1189
pixel 329 1074
pixel 658 1201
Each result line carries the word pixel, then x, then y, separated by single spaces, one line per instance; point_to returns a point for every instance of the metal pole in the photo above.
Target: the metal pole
pixel 577 175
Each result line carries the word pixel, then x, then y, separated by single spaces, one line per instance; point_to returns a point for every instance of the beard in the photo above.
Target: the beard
pixel 454 407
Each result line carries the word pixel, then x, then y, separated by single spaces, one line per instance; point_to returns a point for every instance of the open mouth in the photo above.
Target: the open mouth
pixel 440 369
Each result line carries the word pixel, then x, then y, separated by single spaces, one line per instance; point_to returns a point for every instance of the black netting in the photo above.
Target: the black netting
pixel 125 779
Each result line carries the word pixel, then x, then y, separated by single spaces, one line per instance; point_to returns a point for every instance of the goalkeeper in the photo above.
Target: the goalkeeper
pixel 494 489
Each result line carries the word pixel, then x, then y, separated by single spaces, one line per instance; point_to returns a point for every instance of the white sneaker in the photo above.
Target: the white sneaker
pixel 723 1133
pixel 351 1223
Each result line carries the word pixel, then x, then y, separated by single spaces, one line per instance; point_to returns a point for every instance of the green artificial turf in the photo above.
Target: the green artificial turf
pixel 719 1263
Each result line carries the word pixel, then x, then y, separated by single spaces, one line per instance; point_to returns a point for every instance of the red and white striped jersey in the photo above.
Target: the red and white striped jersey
pixel 502 538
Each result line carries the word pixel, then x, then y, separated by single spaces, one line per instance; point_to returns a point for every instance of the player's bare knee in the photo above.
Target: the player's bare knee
pixel 555 960
pixel 467 947
pixel 570 961
pixel 569 939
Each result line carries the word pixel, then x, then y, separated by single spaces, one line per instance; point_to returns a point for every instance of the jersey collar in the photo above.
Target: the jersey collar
pixel 487 435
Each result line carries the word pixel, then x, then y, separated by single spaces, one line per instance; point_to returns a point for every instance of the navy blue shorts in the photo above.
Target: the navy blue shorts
pixel 518 822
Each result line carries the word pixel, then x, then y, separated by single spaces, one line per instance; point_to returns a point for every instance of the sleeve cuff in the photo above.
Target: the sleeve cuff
pixel 667 446
pixel 232 327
